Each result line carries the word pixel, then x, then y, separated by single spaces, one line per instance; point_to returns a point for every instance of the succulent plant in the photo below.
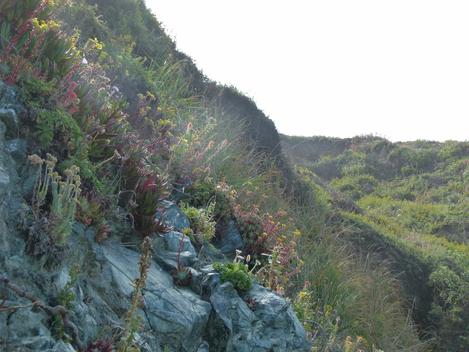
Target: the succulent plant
pixel 182 276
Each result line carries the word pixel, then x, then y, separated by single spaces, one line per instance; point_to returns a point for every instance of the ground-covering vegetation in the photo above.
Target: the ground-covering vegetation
pixel 413 203
pixel 111 100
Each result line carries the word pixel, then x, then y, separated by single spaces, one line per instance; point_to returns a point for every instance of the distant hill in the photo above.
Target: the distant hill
pixel 412 205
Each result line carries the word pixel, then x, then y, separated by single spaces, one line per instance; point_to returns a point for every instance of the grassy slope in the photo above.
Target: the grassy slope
pixel 412 209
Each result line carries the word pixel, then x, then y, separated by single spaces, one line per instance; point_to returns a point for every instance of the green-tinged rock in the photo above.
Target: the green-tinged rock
pixel 268 323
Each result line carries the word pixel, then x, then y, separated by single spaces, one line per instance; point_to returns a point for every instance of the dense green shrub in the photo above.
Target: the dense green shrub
pixel 328 168
pixel 58 125
pixel 355 186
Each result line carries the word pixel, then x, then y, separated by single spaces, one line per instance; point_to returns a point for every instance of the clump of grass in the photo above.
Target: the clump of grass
pixel 348 298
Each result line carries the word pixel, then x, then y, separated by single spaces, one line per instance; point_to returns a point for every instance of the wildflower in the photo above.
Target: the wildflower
pixel 303 295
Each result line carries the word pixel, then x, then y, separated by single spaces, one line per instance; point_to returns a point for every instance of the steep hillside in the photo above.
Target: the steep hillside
pixel 412 206
pixel 145 208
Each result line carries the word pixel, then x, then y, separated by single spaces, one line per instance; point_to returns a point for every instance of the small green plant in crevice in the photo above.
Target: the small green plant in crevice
pixel 202 222
pixel 58 328
pixel 66 295
pixel 65 298
pixel 237 273
pixel 182 276
pixel 189 233
pixel 132 320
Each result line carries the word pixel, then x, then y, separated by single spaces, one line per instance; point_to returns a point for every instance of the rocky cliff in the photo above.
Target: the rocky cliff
pixel 206 315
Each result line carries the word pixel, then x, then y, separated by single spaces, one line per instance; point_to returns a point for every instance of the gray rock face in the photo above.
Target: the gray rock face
pixel 231 239
pixel 16 147
pixel 205 280
pixel 8 96
pixel 177 318
pixel 173 240
pixel 25 331
pixel 172 216
pixel 204 347
pixel 9 108
pixel 166 250
pixel 209 254
pixel 9 118
pixel 4 163
pixel 270 326
pixel 62 347
pixel 281 327
pixel 4 178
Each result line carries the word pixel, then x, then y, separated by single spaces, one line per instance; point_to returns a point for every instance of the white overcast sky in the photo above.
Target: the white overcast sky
pixel 396 68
